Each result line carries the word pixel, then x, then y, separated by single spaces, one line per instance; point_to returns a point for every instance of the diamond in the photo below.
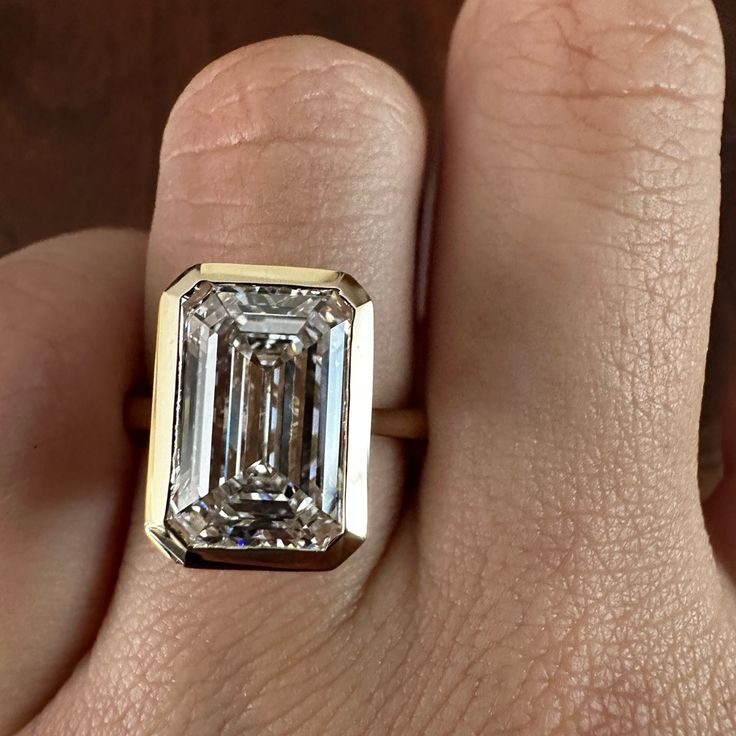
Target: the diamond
pixel 259 457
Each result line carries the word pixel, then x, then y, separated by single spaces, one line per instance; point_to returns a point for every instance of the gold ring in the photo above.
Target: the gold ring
pixel 400 424
pixel 260 418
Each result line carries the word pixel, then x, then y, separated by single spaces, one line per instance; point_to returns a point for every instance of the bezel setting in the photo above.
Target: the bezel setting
pixel 358 404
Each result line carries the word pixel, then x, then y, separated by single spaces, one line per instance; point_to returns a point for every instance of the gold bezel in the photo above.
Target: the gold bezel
pixel 358 409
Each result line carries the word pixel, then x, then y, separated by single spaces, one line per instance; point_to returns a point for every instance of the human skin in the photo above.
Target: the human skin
pixel 547 568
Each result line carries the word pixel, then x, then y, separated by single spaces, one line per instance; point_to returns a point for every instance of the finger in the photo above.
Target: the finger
pixel 579 220
pixel 320 184
pixel 299 152
pixel 69 316
pixel 240 178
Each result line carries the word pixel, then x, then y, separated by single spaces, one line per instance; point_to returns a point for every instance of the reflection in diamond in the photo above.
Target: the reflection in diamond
pixel 259 456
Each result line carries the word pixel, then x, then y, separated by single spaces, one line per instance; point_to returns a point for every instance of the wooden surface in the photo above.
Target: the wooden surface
pixel 85 88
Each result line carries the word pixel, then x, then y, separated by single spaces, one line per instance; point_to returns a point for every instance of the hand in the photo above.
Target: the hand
pixel 546 569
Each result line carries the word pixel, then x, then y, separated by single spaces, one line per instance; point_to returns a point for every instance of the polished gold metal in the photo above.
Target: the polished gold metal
pixel 163 418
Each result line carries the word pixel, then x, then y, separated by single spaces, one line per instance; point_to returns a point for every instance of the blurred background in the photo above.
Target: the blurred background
pixel 86 86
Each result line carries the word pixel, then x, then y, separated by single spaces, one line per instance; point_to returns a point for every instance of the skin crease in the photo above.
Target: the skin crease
pixel 552 573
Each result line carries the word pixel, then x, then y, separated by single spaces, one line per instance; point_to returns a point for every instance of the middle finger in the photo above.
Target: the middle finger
pixel 297 152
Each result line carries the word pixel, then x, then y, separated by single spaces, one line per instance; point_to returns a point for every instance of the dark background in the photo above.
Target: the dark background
pixel 86 85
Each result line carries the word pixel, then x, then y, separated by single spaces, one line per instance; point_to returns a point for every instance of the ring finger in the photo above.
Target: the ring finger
pixel 292 152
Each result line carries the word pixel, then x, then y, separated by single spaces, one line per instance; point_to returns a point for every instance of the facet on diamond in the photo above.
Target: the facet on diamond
pixel 261 419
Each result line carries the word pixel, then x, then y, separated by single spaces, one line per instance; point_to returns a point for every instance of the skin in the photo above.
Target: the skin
pixel 548 567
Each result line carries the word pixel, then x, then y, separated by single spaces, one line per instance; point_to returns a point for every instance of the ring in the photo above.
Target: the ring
pixel 261 418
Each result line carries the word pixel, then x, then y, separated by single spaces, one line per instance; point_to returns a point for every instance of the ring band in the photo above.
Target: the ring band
pixel 261 418
pixel 400 424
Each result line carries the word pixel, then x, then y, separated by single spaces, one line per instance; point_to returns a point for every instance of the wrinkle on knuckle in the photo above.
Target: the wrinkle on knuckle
pixel 590 48
pixel 609 118
pixel 633 95
pixel 285 138
pixel 300 92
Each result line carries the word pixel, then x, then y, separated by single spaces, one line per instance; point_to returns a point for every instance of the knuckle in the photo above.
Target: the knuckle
pixel 610 116
pixel 281 136
pixel 584 79
pixel 585 46
pixel 298 91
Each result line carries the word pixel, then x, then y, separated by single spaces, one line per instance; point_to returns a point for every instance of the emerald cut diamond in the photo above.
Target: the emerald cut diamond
pixel 260 427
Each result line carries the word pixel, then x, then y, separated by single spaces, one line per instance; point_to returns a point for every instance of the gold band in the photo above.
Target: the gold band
pixel 404 424
pixel 311 515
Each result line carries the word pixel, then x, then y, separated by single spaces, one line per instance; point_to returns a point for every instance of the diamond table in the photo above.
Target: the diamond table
pixel 261 423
